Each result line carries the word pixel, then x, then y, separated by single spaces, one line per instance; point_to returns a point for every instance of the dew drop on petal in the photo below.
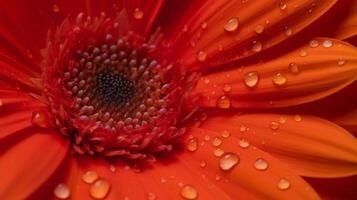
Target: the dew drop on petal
pixel 274 125
pixel 261 164
pixel 224 102
pixel 297 118
pixel 55 8
pixel 314 43
pixel 204 25
pixel 288 31
pixel 327 43
pixel 227 88
pixel 228 161
pixel 303 53
pixel 201 56
pixel 218 152
pixel 283 184
pixel 282 119
pixel 62 191
pixel 341 61
pixel 294 68
pixel 99 189
pixel 251 79
pixel 279 79
pixel 257 46
pixel 151 196
pixel 216 141
pixel 243 143
pixel 259 29
pixel 242 128
pixel 226 134
pixel 203 164
pixel 138 14
pixel 189 192
pixel 192 144
pixel 89 177
pixel 231 25
pixel 282 5
pixel 40 118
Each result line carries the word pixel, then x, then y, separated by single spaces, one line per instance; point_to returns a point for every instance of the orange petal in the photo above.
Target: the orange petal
pixel 306 74
pixel 26 165
pixel 261 25
pixel 309 145
pixel 246 174
pixel 347 28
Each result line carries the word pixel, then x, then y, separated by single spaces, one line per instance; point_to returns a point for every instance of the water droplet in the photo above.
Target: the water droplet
pixel 257 46
pixel 89 177
pixel 274 125
pixel 288 31
pixel 189 192
pixel 327 43
pixel 55 8
pixel 61 191
pixel 282 5
pixel 138 14
pixel 203 164
pixel 224 102
pixel 216 141
pixel 218 152
pixel 204 25
pixel 303 53
pixel 228 161
pixel 283 184
pixel 314 43
pixel 341 61
pixel 40 118
pixel 201 56
pixel 261 164
pixel 99 189
pixel 294 68
pixel 218 177
pixel 227 88
pixel 226 134
pixel 282 119
pixel 279 79
pixel 251 79
pixel 231 25
pixel 297 118
pixel 207 138
pixel 259 29
pixel 243 143
pixel 151 196
pixel 242 128
pixel 192 144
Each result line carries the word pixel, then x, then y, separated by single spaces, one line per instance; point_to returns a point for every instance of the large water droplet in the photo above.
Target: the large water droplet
pixel 62 191
pixel 216 141
pixel 261 164
pixel 231 25
pixel 224 102
pixel 89 177
pixel 138 14
pixel 192 144
pixel 201 56
pixel 99 189
pixel 243 143
pixel 327 43
pixel 189 192
pixel 251 79
pixel 228 161
pixel 283 184
pixel 40 118
pixel 279 79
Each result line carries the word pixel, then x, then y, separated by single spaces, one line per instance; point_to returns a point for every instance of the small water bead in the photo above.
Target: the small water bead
pixel 218 152
pixel 218 177
pixel 327 43
pixel 89 177
pixel 274 125
pixel 282 119
pixel 242 128
pixel 203 164
pixel 201 56
pixel 204 25
pixel 314 43
pixel 294 68
pixel 283 184
pixel 251 79
pixel 297 118
pixel 55 8
pixel 151 196
pixel 256 46
pixel 206 138
pixel 226 134
pixel 224 102
pixel 231 25
pixel 259 29
pixel 303 53
pixel 279 79
pixel 341 61
pixel 216 141
pixel 138 14
pixel 288 31
pixel 189 192
pixel 282 5
pixel 62 191
pixel 192 144
pixel 228 161
pixel 243 143
pixel 261 164
pixel 99 189
pixel 227 88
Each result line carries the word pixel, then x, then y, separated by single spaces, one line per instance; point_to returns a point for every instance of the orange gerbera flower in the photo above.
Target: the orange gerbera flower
pixel 154 99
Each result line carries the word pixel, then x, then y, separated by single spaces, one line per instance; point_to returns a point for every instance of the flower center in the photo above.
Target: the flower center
pixel 113 94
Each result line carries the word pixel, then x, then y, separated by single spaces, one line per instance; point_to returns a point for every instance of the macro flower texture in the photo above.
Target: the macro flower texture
pixel 178 99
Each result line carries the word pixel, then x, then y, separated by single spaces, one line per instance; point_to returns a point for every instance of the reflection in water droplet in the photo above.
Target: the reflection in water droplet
pixel 224 102
pixel 251 79
pixel 279 79
pixel 61 191
pixel 189 192
pixel 261 164
pixel 228 161
pixel 99 189
pixel 231 25
pixel 89 177
pixel 283 184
